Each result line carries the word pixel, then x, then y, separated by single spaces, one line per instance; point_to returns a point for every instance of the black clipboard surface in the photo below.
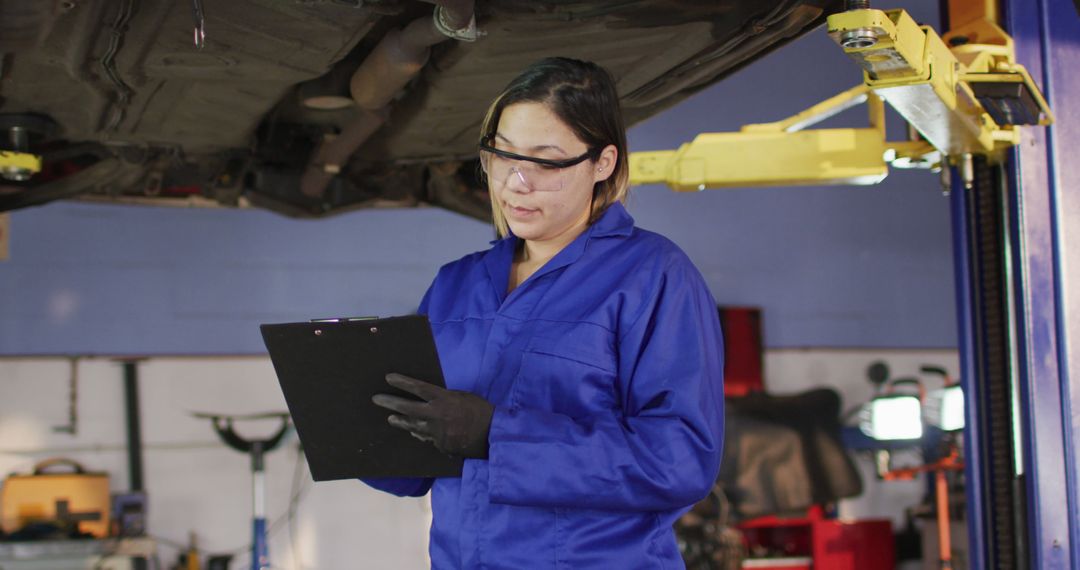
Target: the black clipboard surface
pixel 329 371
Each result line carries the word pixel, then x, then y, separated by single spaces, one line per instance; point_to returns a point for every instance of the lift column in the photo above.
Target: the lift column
pixel 1017 250
pixel 1046 253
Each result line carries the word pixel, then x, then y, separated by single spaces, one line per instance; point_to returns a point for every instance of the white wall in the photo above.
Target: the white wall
pixel 196 484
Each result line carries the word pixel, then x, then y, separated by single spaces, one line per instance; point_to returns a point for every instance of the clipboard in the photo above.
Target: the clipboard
pixel 329 370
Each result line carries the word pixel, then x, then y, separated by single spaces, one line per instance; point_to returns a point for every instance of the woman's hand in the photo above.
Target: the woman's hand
pixel 456 422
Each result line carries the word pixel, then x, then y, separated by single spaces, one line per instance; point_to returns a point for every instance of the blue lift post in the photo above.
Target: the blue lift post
pixel 1061 55
pixel 1046 172
pixel 1042 240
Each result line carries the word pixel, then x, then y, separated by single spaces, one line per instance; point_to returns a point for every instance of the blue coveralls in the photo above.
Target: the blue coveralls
pixel 605 368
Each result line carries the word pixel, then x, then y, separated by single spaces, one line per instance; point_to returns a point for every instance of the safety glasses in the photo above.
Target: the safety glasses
pixel 538 174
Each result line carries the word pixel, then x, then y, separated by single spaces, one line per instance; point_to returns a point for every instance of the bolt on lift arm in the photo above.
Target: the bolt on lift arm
pixel 965 100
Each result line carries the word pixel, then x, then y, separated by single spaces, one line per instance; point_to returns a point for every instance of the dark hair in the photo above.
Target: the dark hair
pixel 583 96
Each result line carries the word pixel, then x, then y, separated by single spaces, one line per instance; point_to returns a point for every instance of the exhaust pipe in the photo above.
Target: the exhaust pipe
pixel 395 61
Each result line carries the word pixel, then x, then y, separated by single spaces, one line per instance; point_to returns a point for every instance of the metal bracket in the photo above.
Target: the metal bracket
pixel 963 92
pixel 72 426
pixel 467 34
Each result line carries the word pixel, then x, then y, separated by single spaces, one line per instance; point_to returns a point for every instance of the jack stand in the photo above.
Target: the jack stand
pixel 223 426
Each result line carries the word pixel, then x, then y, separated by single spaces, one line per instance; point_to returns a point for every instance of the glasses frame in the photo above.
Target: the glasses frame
pixel 592 153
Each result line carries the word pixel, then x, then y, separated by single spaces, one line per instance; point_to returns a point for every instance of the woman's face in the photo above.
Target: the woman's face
pixel 543 212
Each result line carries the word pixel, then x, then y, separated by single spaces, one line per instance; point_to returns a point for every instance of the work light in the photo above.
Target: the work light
pixel 892 417
pixel 945 408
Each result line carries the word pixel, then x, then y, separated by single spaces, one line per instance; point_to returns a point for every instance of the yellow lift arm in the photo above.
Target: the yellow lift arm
pixel 965 100
pixel 18 165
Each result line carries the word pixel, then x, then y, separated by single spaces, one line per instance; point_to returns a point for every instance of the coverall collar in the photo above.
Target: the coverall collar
pixel 614 222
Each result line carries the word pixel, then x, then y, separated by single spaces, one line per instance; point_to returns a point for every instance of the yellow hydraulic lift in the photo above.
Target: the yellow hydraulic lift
pixel 18 165
pixel 960 101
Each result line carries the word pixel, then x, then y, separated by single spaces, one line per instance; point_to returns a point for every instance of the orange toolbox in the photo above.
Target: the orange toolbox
pixel 74 496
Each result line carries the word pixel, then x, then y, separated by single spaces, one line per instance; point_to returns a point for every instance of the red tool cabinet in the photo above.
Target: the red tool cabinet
pixel 815 542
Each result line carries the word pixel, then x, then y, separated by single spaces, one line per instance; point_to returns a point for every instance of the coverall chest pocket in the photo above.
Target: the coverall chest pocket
pixel 574 374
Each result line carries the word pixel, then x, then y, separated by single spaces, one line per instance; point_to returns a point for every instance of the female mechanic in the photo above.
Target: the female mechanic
pixel 582 354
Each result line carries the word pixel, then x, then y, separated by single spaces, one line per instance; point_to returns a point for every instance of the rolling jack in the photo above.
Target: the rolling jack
pixel 256 448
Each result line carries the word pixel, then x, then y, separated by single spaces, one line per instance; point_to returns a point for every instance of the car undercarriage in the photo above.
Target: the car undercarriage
pixel 315 107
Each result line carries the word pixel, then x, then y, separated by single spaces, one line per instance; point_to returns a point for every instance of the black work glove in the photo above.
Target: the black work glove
pixel 456 422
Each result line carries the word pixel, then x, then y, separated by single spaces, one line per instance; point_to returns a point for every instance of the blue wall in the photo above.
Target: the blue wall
pixel 115 279
pixel 832 267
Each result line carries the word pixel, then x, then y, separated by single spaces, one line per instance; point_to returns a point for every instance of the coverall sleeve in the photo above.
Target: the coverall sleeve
pixel 406 486
pixel 661 450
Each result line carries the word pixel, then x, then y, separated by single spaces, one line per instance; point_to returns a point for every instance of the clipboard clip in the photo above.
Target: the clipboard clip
pixel 344 319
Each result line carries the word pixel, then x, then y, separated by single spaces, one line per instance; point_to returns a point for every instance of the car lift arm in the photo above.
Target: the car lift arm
pixel 962 101
pixel 775 154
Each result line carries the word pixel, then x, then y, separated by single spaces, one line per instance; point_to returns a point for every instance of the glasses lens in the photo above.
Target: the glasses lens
pixel 501 170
